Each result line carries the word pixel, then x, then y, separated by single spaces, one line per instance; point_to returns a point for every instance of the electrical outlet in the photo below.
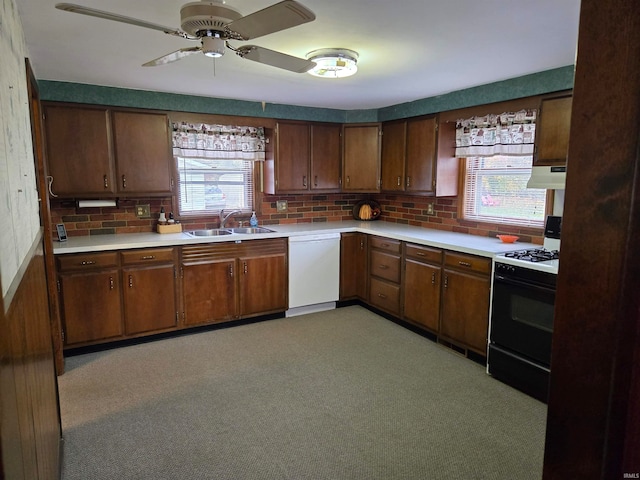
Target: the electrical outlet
pixel 143 211
pixel 281 205
pixel 430 209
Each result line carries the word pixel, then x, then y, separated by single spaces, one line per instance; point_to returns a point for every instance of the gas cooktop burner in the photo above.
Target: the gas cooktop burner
pixel 534 255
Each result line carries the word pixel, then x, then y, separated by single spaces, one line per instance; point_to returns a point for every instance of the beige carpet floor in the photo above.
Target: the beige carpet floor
pixel 344 394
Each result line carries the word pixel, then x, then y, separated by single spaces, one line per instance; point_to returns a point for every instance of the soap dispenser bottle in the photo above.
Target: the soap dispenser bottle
pixel 253 221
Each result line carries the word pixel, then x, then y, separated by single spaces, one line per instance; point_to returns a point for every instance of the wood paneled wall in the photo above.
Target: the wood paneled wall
pixel 30 428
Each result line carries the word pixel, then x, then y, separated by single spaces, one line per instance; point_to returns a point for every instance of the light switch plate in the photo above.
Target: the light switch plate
pixel 281 205
pixel 143 211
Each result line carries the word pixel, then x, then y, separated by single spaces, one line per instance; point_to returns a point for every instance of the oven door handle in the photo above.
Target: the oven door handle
pixel 519 283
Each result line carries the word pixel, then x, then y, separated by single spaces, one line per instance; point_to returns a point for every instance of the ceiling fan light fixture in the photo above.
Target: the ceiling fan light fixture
pixel 213 46
pixel 333 62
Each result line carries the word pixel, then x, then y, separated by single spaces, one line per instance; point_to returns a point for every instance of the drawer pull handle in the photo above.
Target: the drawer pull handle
pixel 124 181
pixel 385 244
pixel 315 180
pixel 398 180
pixel 106 181
pixel 465 264
pixel 111 286
pixel 408 182
pixel 130 281
pixel 245 268
pixel 231 270
pixel 87 262
pixel 383 267
pixel 304 180
pixel 433 278
pixel 148 257
pixel 382 295
pixel 421 254
pixel 446 281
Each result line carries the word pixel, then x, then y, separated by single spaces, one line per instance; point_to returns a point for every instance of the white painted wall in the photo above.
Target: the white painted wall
pixel 19 209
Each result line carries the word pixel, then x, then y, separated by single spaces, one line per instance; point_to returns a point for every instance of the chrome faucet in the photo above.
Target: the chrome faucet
pixel 224 218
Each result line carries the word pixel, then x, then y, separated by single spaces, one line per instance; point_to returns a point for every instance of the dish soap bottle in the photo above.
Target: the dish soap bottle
pixel 253 221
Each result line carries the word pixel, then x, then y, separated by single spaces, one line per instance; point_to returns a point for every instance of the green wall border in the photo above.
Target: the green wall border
pixel 527 85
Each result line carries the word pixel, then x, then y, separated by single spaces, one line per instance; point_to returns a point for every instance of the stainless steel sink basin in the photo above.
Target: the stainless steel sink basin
pixel 249 230
pixel 213 232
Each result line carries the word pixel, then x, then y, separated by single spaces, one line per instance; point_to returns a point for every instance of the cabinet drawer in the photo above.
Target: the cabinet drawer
pixel 392 246
pixel 424 254
pixel 384 295
pixel 148 255
pixel 385 265
pixel 87 261
pixel 466 262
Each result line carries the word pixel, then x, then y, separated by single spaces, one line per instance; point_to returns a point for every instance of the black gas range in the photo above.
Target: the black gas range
pixel 524 286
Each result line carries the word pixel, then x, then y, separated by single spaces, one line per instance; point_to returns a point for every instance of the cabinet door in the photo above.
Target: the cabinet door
pixel 422 294
pixel 263 284
pixel 293 157
pixel 91 306
pixel 210 293
pixel 361 158
pixel 325 157
pixel 421 155
pixel 552 131
pixel 394 149
pixel 465 309
pixel 353 266
pixel 149 298
pixel 79 154
pixel 143 152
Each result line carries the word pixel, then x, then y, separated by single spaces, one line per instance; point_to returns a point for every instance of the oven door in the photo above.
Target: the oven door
pixel 522 318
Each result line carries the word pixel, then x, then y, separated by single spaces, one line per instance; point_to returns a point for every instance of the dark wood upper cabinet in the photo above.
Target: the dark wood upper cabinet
pixel 307 157
pixel 552 131
pixel 79 150
pixel 142 152
pixel 361 157
pixel 409 155
pixel 101 152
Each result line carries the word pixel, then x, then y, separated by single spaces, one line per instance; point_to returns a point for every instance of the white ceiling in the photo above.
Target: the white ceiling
pixel 409 50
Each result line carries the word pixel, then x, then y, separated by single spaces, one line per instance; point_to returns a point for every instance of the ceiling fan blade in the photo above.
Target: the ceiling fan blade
pixel 173 56
pixel 92 12
pixel 275 59
pixel 280 16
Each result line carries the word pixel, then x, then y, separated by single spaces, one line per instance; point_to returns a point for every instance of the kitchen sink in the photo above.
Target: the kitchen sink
pixel 214 232
pixel 250 230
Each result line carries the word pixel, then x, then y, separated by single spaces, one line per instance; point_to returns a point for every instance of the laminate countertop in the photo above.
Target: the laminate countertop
pixel 459 242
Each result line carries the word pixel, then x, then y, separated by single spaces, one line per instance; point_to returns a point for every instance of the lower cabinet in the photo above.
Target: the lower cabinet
pixel 90 299
pixel 384 274
pixel 353 266
pixel 226 281
pixel 466 290
pixel 114 295
pixel 422 282
pixel 149 290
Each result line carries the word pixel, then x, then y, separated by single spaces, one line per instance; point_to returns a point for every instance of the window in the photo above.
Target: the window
pixel 497 151
pixel 216 167
pixel 207 186
pixel 495 190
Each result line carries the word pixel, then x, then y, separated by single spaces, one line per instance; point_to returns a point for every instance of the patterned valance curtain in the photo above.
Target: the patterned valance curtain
pixel 221 142
pixel 509 134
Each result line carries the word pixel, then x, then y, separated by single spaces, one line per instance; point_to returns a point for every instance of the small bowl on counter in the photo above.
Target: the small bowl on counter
pixel 507 238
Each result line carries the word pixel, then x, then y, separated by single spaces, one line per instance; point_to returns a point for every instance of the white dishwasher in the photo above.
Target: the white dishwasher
pixel 314 273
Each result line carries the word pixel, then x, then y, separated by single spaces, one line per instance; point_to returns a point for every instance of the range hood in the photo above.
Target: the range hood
pixel 551 178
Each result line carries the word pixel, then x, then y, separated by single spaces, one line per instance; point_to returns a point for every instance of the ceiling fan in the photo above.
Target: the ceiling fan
pixel 213 24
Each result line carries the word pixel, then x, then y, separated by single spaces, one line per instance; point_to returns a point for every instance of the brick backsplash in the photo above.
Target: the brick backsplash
pixel 401 209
